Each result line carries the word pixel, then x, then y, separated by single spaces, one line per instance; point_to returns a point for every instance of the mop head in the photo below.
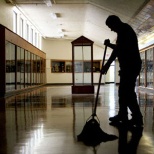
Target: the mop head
pixel 93 135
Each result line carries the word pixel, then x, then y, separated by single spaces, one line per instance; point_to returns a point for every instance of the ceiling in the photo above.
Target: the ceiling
pixel 75 18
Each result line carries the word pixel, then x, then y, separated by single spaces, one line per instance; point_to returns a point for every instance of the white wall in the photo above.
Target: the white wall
pixel 62 50
pixel 59 50
pixel 6 14
pixel 54 49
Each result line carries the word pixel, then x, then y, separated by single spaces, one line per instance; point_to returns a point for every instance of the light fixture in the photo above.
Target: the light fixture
pixel 48 3
pixel 60 33
pixel 53 15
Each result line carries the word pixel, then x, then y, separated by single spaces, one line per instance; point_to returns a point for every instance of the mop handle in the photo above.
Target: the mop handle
pixel 100 77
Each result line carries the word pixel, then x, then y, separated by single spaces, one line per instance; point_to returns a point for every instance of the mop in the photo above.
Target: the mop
pixel 92 134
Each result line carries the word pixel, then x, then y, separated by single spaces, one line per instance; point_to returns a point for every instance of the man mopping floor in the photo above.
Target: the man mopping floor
pixel 127 51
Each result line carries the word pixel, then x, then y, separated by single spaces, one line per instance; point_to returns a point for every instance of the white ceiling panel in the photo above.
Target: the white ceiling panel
pixel 87 17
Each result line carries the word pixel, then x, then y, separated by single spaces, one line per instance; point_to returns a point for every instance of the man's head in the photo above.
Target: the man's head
pixel 113 22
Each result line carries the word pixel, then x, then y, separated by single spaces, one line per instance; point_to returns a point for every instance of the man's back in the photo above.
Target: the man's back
pixel 127 47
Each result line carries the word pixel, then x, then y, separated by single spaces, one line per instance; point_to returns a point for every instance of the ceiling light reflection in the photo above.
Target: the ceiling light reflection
pixel 111 103
pixel 34 139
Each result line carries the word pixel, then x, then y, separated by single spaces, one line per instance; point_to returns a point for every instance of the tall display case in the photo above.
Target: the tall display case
pixel 82 66
pixel 22 65
pixel 146 78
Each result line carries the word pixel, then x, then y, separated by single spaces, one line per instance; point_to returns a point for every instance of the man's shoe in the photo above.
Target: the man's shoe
pixel 118 118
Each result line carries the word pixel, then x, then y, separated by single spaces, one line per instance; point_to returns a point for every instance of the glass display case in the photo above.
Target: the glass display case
pixel 82 64
pixel 20 63
pixel 10 66
pixel 65 66
pixel 58 66
pixel 61 66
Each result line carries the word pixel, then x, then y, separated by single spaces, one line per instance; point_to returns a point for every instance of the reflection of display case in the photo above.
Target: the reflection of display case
pixel 82 64
pixel 58 66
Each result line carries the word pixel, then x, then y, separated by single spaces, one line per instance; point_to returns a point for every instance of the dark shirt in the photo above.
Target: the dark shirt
pixel 127 49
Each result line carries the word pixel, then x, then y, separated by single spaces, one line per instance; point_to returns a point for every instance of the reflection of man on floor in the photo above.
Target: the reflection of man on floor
pixel 129 147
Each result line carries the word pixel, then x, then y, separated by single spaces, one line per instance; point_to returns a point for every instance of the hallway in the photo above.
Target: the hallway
pixel 47 121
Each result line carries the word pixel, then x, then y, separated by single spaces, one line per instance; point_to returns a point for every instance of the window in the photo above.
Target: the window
pixel 27 32
pixel 31 36
pixel 14 22
pixel 23 26
pixel 36 40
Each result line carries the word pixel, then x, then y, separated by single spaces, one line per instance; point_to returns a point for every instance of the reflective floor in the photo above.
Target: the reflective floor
pixel 48 120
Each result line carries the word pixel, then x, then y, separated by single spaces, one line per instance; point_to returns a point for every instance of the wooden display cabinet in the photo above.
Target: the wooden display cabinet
pixel 61 66
pixel 22 65
pixel 82 64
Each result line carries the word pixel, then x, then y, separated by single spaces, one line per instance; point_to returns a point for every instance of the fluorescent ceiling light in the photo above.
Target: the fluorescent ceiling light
pixel 48 3
pixel 60 31
pixel 61 34
pixel 53 15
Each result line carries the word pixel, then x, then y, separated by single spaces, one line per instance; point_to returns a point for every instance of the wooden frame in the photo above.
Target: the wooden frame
pixel 82 89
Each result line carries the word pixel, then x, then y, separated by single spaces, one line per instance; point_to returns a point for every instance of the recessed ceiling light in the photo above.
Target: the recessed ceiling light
pixel 48 3
pixel 53 15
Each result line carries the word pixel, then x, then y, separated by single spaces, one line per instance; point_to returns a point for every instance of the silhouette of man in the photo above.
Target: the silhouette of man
pixel 127 52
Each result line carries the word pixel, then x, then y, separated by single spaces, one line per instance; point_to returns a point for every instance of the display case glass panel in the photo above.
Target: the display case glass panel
pixel 142 72
pixel 18 68
pixel 38 70
pixel 82 67
pixel 27 68
pixel 57 66
pixel 22 71
pixel 43 70
pixel 68 66
pixel 34 70
pixel 10 66
pixel 149 67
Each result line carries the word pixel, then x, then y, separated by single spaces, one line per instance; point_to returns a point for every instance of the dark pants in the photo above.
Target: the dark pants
pixel 127 95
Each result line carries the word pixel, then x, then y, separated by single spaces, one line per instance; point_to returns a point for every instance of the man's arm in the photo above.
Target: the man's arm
pixel 110 60
pixel 112 57
pixel 112 46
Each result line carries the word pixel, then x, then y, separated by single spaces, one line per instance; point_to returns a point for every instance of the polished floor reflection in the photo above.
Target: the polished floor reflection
pixel 48 120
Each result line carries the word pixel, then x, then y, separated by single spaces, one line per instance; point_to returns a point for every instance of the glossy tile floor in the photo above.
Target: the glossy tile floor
pixel 48 120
